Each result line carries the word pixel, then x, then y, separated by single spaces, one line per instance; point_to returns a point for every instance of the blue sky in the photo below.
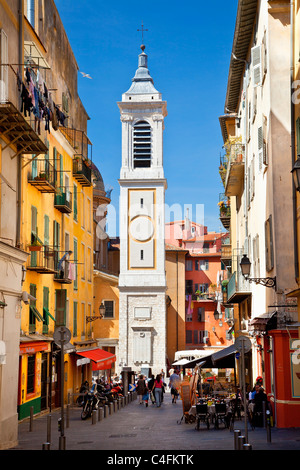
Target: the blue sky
pixel 188 46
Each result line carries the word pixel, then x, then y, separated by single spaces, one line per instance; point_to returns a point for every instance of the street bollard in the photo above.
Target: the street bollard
pixel 94 416
pixel 100 413
pixel 268 419
pixel 115 405
pixel 49 428
pixel 68 416
pixel 247 447
pixel 241 441
pixel 123 402
pixel 106 411
pixel 62 442
pixel 236 433
pixel 31 419
pixel 46 446
pixel 111 408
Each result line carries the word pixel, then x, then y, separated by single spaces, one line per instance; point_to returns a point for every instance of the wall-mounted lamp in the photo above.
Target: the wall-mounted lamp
pixel 264 281
pixel 95 317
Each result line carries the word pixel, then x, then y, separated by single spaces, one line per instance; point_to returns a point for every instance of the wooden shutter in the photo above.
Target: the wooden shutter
pixel 4 69
pixel 298 136
pixel 269 244
pixel 76 265
pixel 75 201
pixel 46 230
pixel 256 64
pixel 75 319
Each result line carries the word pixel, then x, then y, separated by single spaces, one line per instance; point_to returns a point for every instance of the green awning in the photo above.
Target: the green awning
pixel 36 313
pixel 48 314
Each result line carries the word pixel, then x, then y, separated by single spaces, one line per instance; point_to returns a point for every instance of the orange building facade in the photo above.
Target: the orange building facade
pixel 205 318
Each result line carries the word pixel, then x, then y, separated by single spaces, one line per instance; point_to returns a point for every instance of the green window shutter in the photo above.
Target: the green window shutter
pixel 75 315
pixel 61 171
pixel 46 230
pixel 34 167
pixel 60 307
pixel 45 305
pixel 56 235
pixel 75 201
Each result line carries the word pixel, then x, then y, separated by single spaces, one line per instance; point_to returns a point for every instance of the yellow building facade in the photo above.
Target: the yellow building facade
pixel 56 221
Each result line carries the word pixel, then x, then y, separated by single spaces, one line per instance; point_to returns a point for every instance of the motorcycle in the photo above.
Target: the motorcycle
pixel 90 402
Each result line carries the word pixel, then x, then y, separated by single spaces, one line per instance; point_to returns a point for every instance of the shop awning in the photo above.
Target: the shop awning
pixel 181 362
pixel 224 353
pixel 223 359
pixel 101 359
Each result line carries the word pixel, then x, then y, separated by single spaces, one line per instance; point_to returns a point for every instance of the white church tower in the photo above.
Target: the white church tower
pixel 142 280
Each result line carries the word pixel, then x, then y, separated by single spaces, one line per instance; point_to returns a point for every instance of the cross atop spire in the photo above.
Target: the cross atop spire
pixel 142 30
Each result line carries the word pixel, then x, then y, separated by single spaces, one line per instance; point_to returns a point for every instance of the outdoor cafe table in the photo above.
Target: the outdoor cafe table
pixel 210 408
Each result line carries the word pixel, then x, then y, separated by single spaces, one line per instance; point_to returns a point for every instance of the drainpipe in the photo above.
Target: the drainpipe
pixel 293 152
pixel 19 161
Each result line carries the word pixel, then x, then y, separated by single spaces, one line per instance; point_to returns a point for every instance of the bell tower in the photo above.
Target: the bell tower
pixel 142 280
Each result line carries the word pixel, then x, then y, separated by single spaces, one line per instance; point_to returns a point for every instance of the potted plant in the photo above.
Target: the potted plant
pixel 36 244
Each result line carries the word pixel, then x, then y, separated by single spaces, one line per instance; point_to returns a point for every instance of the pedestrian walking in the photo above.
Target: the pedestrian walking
pixel 157 388
pixel 150 387
pixel 174 384
pixel 141 388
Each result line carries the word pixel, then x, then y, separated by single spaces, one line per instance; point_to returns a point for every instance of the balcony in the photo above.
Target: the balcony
pixel 17 129
pixel 63 200
pixel 62 275
pixel 82 172
pixel 226 254
pixel 234 179
pixel 237 289
pixel 42 176
pixel 43 261
pixel 82 163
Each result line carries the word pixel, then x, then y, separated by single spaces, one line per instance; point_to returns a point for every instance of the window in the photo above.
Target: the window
pixel 83 261
pixel 30 374
pixel 203 264
pixel 90 263
pixel 75 210
pixel 269 244
pixel 189 287
pixel 189 265
pixel 189 336
pixel 75 318
pixel 142 145
pixel 203 334
pixel 4 69
pixel 201 314
pixel 109 308
pixel 31 12
pixel 60 307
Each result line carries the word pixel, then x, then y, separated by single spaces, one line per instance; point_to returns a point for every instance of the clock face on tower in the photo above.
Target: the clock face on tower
pixel 142 228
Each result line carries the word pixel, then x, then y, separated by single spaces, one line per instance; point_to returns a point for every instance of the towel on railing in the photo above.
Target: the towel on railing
pixel 72 272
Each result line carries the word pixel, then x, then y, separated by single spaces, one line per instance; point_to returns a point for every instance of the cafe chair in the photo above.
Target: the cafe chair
pixel 202 414
pixel 220 415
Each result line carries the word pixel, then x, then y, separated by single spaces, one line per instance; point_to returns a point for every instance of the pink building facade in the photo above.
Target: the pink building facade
pixel 205 319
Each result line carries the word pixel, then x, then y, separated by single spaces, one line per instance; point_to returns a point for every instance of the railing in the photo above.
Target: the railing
pixel 82 172
pixel 42 175
pixel 43 261
pixel 63 200
pixel 18 116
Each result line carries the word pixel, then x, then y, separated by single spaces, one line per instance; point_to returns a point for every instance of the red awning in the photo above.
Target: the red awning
pixel 102 360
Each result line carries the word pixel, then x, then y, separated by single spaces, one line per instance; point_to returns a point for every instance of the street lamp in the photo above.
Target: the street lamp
pixel 264 281
pixel 296 174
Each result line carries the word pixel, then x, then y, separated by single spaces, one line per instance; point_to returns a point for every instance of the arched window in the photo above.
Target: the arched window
pixel 142 145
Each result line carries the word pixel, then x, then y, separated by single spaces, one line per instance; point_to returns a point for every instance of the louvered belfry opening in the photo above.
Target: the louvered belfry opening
pixel 142 145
